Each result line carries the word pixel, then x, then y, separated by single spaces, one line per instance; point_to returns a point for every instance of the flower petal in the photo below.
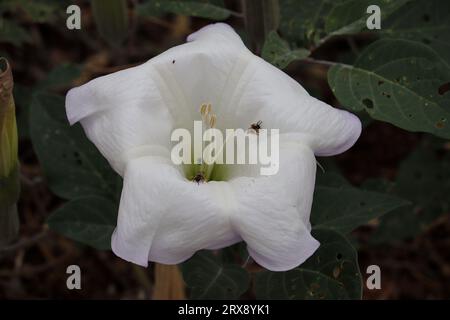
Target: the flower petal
pixel 273 211
pixel 165 218
pixel 270 95
pixel 121 112
pixel 139 107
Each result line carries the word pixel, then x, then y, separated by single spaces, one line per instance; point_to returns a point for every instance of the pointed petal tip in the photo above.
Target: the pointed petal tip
pixel 127 253
pixel 347 138
pixel 79 103
pixel 355 129
pixel 217 31
pixel 71 106
pixel 292 261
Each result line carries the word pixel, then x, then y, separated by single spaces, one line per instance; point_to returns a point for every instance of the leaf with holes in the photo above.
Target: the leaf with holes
pixel 72 165
pixel 427 21
pixel 331 273
pixel 397 81
pixel 89 220
pixel 277 51
pixel 208 278
pixel 343 208
pixel 203 9
pixel 308 22
pixel 351 16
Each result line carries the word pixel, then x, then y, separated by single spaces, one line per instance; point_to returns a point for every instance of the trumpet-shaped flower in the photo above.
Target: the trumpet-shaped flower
pixel 166 217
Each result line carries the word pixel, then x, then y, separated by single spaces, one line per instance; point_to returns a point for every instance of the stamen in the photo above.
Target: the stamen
pixel 208 118
pixel 212 121
pixel 203 109
pixel 320 166
pixel 209 121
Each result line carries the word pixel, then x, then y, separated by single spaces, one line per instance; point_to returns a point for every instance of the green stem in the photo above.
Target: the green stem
pixel 261 17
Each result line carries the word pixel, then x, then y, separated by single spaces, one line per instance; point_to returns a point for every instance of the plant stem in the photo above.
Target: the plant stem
pixel 169 284
pixel 261 17
pixel 323 62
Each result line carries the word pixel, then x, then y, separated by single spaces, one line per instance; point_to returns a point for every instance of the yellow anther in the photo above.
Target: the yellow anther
pixel 203 109
pixel 212 121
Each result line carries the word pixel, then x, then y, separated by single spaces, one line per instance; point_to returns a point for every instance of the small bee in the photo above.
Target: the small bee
pixel 256 126
pixel 199 177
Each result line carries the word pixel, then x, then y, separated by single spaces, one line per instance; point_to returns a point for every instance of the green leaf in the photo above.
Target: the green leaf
pixel 277 51
pixel 208 278
pixel 202 9
pixel 73 166
pixel 351 16
pixel 397 81
pixel 89 220
pixel 331 273
pixel 427 21
pixel 23 97
pixel 111 19
pixel 13 33
pixel 331 179
pixel 341 207
pixel 309 22
pixel 422 178
pixel 41 10
pixel 9 224
pixel 59 77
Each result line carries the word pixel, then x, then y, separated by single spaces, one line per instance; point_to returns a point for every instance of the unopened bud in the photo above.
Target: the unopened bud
pixel 9 166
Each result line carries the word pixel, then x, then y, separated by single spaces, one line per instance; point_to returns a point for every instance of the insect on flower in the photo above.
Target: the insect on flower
pixel 199 177
pixel 256 126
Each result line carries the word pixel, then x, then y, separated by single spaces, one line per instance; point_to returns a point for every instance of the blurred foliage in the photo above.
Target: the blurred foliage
pixel 40 11
pixel 210 278
pixel 111 18
pixel 331 273
pixel 210 9
pixel 73 166
pixel 277 51
pixel 423 179
pixel 342 207
pixel 90 220
pixel 307 23
pixel 60 77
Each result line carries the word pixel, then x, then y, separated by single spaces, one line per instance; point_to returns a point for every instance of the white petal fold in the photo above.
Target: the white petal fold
pixel 270 95
pixel 165 218
pixel 272 215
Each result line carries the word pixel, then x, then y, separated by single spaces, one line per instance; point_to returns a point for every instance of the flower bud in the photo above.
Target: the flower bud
pixel 9 166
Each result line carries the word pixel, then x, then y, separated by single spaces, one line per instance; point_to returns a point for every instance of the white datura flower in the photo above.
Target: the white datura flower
pixel 166 217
